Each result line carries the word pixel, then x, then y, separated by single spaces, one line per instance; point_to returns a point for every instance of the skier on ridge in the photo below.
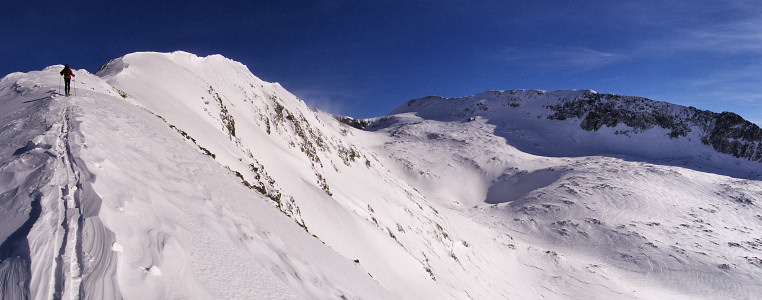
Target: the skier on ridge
pixel 67 74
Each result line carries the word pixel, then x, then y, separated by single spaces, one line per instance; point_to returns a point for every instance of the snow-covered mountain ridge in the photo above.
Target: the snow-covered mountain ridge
pixel 611 124
pixel 169 175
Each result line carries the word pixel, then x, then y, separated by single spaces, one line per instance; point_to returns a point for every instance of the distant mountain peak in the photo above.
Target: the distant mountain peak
pixel 591 111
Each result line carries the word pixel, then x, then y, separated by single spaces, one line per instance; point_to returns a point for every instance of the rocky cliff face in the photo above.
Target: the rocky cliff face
pixel 549 123
pixel 726 132
pixel 731 134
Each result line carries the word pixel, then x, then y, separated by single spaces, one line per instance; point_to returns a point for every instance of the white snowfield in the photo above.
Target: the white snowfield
pixel 172 176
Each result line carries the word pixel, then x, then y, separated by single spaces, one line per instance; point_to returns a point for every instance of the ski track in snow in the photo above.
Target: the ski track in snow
pixel 175 176
pixel 63 232
pixel 170 228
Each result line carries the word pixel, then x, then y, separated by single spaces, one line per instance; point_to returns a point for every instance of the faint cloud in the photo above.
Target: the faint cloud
pixel 556 56
pixel 735 37
pixel 734 46
pixel 720 27
pixel 729 78
pixel 736 89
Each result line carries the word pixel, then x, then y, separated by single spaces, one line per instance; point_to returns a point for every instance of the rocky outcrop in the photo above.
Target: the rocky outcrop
pixel 731 134
pixel 726 132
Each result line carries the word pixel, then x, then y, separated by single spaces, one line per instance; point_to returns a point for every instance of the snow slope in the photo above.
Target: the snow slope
pixel 643 211
pixel 175 176
pixel 577 123
pixel 108 201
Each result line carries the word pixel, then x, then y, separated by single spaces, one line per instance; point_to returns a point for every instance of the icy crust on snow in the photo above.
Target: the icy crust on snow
pixel 548 123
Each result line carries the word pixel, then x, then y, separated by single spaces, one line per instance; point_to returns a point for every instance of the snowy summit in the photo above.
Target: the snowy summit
pixel 168 175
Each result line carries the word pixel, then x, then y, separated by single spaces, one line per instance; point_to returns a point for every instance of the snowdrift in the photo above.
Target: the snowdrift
pixel 170 175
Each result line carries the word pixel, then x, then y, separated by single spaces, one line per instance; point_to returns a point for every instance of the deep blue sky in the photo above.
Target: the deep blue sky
pixel 365 58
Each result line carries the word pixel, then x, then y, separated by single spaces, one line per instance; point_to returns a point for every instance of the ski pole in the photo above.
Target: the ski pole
pixel 59 84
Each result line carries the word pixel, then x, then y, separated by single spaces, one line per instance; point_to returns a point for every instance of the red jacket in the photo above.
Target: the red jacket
pixel 68 74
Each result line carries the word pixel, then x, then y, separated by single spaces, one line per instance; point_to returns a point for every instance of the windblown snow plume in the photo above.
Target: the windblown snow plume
pixel 169 175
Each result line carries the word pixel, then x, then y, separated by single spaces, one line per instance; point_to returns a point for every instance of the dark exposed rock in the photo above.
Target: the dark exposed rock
pixel 733 135
pixel 726 132
pixel 356 123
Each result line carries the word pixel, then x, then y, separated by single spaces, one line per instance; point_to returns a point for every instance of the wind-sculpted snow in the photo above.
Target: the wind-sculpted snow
pixel 104 200
pixel 306 163
pixel 639 229
pixel 22 167
pixel 175 176
pixel 63 227
pixel 512 187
